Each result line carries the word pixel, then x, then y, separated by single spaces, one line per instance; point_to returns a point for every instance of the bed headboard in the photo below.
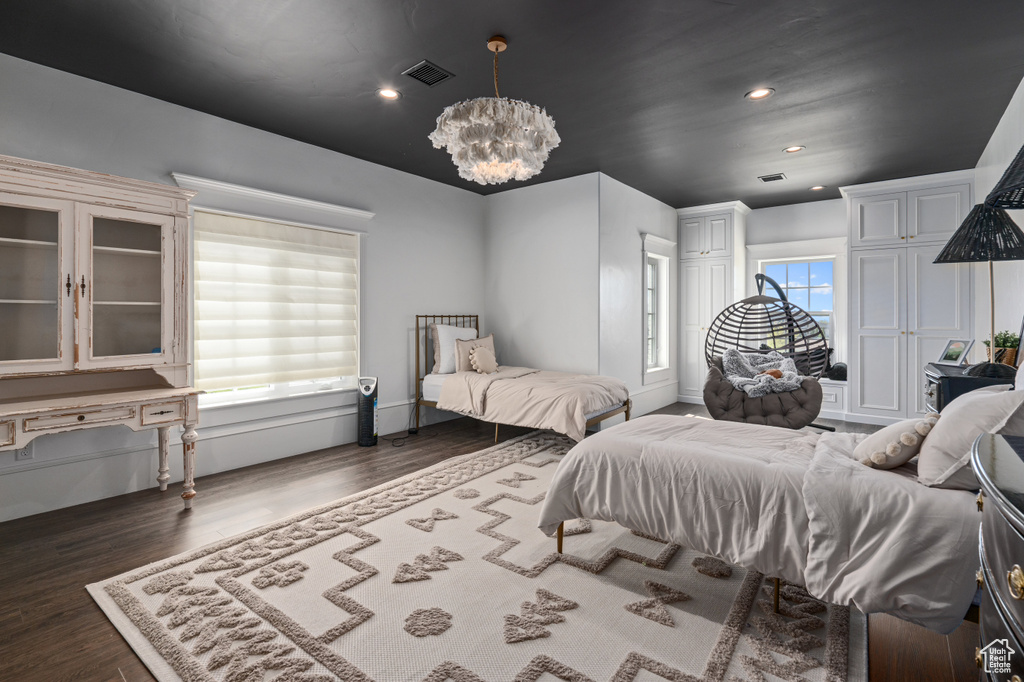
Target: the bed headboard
pixel 424 358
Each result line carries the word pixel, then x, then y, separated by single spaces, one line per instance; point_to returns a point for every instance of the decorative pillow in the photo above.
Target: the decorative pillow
pixel 945 457
pixel 482 360
pixel 896 444
pixel 444 337
pixel 463 349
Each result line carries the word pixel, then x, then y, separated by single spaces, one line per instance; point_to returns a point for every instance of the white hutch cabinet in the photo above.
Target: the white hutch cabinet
pixel 712 269
pixel 94 323
pixel 904 308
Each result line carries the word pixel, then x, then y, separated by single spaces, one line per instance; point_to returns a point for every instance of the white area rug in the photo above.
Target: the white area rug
pixel 443 575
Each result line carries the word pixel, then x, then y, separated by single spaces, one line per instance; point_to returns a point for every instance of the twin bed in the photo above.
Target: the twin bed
pixel 566 403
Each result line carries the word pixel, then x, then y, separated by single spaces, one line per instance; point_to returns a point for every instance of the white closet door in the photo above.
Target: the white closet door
pixel 880 332
pixel 690 238
pixel 691 379
pixel 879 220
pixel 939 309
pixel 718 236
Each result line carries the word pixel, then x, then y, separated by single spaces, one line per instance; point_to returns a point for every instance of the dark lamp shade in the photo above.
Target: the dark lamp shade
pixel 1009 191
pixel 986 234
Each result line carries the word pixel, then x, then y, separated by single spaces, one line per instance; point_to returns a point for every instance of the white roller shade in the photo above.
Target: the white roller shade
pixel 273 303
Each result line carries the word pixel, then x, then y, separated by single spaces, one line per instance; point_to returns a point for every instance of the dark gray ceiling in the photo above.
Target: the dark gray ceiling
pixel 649 92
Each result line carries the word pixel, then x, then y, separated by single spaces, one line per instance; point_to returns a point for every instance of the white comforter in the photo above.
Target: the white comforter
pixel 786 503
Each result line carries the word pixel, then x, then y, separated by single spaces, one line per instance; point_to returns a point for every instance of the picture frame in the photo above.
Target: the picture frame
pixel 955 353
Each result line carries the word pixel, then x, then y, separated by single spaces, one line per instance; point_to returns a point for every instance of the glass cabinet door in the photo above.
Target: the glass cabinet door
pixel 35 285
pixel 126 270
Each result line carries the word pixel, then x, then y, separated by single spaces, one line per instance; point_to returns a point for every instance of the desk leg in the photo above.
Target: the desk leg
pixel 188 440
pixel 163 471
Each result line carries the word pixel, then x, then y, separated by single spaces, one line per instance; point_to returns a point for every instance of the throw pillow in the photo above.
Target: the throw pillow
pixel 463 348
pixel 482 360
pixel 444 337
pixel 945 457
pixel 896 444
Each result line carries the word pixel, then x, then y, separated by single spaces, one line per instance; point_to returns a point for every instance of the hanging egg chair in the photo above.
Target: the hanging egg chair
pixel 761 324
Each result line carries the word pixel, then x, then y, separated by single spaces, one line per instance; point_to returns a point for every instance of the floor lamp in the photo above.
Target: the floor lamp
pixel 987 234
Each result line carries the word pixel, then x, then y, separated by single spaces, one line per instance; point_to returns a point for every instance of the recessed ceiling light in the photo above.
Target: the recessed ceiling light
pixel 794 149
pixel 817 188
pixel 760 93
pixel 388 93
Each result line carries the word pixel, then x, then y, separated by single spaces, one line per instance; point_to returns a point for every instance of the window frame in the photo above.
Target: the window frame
pixel 658 256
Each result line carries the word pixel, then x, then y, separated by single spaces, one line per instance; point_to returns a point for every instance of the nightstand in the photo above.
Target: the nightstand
pixel 943 383
pixel 998 462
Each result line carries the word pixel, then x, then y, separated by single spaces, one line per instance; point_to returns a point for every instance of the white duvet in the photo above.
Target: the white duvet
pixel 786 503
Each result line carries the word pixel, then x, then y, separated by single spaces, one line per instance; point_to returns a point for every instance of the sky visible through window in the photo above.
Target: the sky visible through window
pixel 808 285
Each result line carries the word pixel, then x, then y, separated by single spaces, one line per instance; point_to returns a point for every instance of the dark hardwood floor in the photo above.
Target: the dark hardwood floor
pixel 51 630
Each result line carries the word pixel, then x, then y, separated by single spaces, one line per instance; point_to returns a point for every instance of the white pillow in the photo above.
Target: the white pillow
pixel 945 456
pixel 896 444
pixel 444 345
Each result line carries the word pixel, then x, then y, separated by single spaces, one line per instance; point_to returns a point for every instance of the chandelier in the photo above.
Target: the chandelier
pixel 495 139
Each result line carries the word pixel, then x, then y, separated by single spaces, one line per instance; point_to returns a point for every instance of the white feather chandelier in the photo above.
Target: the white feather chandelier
pixel 496 139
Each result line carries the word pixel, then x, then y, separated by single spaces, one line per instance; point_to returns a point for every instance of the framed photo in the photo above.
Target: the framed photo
pixel 955 352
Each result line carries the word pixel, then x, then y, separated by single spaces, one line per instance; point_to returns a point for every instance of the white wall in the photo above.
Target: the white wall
pixel 1002 148
pixel 421 254
pixel 625 213
pixel 797 222
pixel 541 289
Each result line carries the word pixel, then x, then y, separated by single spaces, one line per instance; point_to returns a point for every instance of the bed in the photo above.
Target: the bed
pixel 518 396
pixel 792 505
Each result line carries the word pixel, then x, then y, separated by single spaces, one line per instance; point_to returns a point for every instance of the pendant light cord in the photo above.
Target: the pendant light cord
pixel 496 75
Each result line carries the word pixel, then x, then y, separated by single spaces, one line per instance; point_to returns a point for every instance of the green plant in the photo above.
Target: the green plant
pixel 1006 339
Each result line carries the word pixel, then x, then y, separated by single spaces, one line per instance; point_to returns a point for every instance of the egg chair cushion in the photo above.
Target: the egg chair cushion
pixel 793 410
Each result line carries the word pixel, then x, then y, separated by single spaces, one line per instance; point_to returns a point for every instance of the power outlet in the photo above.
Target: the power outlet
pixel 24 453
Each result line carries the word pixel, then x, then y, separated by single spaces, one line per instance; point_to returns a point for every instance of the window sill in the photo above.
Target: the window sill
pixel 653 375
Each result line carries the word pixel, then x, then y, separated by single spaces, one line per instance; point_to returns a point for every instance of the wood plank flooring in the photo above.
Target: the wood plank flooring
pixel 51 630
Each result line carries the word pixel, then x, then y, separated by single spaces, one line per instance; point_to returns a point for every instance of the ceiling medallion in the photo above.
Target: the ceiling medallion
pixel 496 139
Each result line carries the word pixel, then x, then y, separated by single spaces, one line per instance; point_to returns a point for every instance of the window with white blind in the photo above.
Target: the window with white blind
pixel 276 308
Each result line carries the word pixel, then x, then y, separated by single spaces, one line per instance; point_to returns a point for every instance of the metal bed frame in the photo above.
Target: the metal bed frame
pixel 423 364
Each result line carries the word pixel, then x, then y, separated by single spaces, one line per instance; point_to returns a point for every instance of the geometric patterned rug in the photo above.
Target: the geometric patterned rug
pixel 443 575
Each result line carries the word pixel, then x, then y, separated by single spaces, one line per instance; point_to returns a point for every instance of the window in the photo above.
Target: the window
pixel 651 294
pixel 808 284
pixel 276 308
pixel 657 300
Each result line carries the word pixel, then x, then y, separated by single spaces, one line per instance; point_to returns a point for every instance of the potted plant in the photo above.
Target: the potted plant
pixel 1006 348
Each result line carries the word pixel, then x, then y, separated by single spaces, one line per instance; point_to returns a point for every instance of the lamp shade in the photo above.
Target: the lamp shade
pixel 1009 191
pixel 987 234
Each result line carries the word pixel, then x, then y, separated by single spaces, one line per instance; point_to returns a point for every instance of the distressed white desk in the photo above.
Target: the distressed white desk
pixel 138 409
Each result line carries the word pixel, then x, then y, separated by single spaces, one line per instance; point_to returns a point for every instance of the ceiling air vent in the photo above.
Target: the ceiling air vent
pixel 771 178
pixel 428 73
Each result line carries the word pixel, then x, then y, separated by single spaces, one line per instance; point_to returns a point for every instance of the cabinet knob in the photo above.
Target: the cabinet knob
pixel 911 333
pixel 979 660
pixel 902 237
pixel 902 332
pixel 1015 579
pixel 911 236
pixel 81 417
pixel 981 501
